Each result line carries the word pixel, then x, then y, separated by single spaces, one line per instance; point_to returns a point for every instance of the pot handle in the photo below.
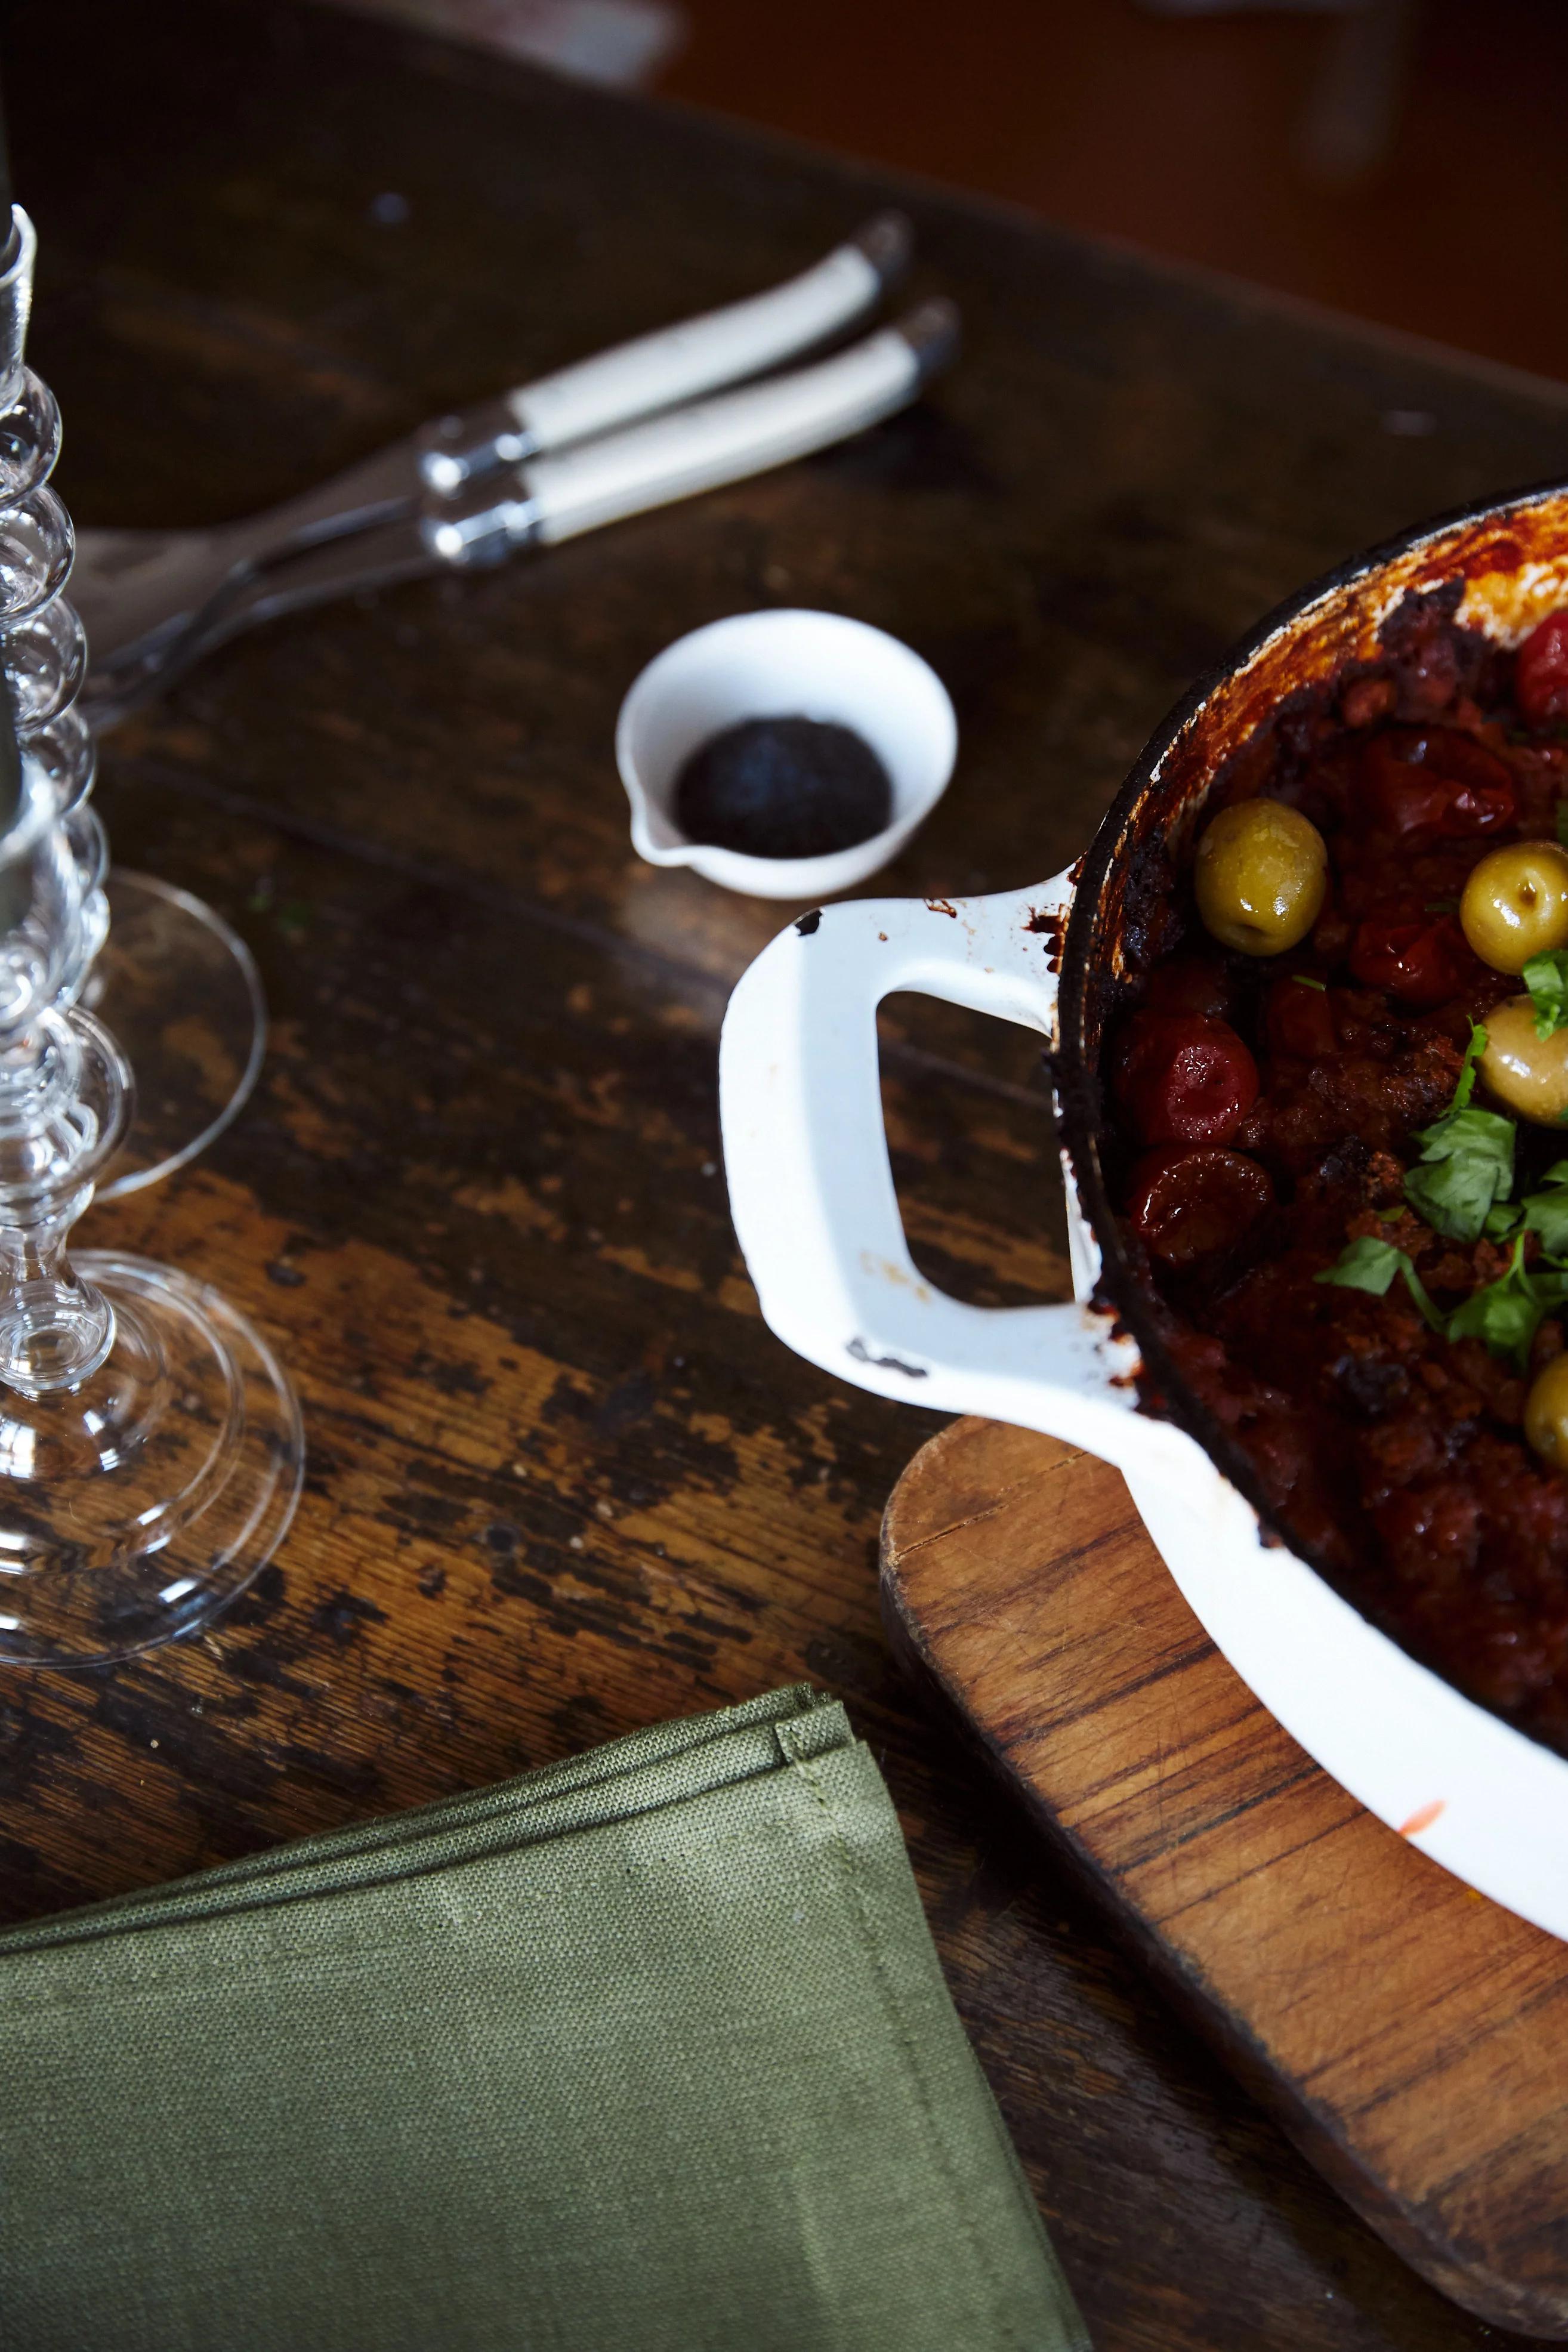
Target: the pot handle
pixel 812 1191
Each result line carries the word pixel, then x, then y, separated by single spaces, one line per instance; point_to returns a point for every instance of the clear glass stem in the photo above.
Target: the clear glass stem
pixel 65 1098
pixel 54 1329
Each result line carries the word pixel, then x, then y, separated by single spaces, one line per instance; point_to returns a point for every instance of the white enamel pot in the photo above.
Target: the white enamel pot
pixel 817 1217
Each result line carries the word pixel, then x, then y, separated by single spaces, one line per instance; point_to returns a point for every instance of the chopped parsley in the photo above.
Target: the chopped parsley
pixel 1546 978
pixel 1466 1085
pixel 1545 1213
pixel 1370 1264
pixel 1461 1189
pixel 1506 1314
pixel 1466 1159
pixel 1305 979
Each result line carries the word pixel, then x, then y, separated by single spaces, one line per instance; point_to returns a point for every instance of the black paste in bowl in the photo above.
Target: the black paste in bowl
pixel 784 788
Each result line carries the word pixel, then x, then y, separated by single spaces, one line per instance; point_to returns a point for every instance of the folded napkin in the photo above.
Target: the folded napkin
pixel 649 2048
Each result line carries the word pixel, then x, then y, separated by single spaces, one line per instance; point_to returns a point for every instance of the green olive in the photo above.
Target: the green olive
pixel 1260 878
pixel 1530 1073
pixel 1546 1413
pixel 1516 904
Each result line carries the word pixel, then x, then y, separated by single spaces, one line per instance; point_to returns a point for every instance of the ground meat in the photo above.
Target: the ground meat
pixel 1389 1453
pixel 1311 1106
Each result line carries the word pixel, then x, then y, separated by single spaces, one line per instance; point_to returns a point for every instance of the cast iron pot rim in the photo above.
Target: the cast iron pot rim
pixel 1077 1085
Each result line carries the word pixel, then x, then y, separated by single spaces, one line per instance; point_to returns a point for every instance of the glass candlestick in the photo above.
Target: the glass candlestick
pixel 177 985
pixel 181 992
pixel 150 1451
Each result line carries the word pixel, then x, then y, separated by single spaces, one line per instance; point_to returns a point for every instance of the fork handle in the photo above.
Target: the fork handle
pixel 699 355
pixel 698 448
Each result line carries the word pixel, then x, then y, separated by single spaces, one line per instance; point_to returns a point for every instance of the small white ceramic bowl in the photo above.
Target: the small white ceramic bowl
pixel 783 665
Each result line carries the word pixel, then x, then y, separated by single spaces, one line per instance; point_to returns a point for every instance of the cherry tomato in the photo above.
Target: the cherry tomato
pixel 1541 671
pixel 1299 1020
pixel 1188 1202
pixel 1191 983
pixel 1185 1079
pixel 1437 782
pixel 1419 964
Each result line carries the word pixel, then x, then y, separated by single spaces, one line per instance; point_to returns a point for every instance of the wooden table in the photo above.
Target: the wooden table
pixel 562 1479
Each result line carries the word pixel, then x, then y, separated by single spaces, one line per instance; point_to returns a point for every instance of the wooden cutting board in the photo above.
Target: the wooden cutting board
pixel 1409 2034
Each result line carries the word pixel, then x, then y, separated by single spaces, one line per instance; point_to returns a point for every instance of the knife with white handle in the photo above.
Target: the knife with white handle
pixel 132 587
pixel 673 364
pixel 701 447
pixel 550 499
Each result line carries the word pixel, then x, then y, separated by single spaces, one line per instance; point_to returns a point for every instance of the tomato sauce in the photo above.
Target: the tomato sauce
pixel 1261 1113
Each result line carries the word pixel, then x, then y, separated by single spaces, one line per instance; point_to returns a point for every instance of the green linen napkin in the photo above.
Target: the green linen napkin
pixel 645 2050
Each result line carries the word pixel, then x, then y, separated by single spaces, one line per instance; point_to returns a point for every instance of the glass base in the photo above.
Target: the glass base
pixel 180 992
pixel 134 1507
